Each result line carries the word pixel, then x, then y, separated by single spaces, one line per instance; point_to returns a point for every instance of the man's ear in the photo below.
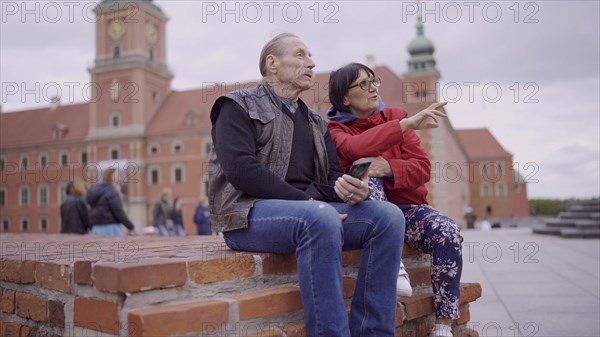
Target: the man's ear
pixel 272 62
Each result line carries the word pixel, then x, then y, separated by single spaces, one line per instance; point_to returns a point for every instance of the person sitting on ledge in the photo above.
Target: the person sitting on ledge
pixel 275 186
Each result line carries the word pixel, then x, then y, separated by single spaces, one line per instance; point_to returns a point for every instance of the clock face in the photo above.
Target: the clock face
pixel 151 33
pixel 116 29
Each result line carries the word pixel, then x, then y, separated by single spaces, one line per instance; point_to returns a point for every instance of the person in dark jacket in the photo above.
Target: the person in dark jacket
pixel 74 215
pixel 177 217
pixel 202 217
pixel 107 214
pixel 161 213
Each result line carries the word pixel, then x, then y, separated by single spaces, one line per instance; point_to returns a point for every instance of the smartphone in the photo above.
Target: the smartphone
pixel 359 170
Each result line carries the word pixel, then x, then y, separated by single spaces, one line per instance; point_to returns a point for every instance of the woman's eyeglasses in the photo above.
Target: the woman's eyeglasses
pixel 364 84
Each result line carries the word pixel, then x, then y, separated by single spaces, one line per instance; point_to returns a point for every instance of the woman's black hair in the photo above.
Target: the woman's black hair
pixel 341 79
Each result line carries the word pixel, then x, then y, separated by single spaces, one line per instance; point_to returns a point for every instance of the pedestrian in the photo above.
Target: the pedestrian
pixel 74 213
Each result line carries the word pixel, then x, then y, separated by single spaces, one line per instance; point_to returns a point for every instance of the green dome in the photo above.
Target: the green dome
pixel 420 45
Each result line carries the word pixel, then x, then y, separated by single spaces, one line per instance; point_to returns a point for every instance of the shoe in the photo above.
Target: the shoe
pixel 441 330
pixel 403 286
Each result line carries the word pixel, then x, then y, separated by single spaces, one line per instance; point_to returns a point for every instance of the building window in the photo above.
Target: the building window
pixel 64 158
pixel 205 185
pixel 24 196
pixel 177 174
pixel 62 193
pixel 43 160
pixel 43 195
pixel 2 163
pixel 83 156
pixel 5 224
pixel 501 190
pixel 115 120
pixel 151 54
pixel 114 153
pixel 43 224
pixel 154 176
pixel 3 196
pixel 485 190
pixel 24 161
pixel 24 224
pixel 116 51
pixel 153 149
pixel 176 147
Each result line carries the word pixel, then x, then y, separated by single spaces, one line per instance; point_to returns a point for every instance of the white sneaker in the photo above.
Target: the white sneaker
pixel 441 330
pixel 403 286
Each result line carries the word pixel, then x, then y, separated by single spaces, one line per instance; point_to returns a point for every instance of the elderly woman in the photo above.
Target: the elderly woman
pixel 364 129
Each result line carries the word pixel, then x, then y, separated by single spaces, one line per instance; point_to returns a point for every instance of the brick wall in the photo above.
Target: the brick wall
pixel 67 285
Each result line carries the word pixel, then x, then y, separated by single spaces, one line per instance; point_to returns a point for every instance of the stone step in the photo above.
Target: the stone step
pixel 584 208
pixel 546 230
pixel 579 215
pixel 588 224
pixel 558 222
pixel 577 233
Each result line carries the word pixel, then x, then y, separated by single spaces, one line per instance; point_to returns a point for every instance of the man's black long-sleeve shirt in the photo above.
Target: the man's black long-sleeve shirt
pixel 234 138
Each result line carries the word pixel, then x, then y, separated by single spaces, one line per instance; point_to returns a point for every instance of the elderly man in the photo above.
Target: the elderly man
pixel 275 186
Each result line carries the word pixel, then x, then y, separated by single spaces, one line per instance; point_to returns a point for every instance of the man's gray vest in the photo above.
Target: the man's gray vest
pixel 229 207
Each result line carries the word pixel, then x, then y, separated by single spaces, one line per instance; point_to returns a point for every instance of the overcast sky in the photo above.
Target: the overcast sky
pixel 543 56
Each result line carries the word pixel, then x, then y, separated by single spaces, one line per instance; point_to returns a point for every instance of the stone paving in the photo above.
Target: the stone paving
pixel 533 285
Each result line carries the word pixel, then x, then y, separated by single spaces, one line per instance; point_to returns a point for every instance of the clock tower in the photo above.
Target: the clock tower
pixel 130 77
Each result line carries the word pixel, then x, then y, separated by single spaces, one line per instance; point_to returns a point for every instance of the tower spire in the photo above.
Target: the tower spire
pixel 421 49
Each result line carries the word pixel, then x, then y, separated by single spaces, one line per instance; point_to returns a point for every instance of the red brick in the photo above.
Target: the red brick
pixel 17 271
pixel 82 272
pixel 267 333
pixel 9 329
pixel 53 276
pixel 399 314
pixel 279 263
pixel 131 277
pixel 269 302
pixel 469 292
pixel 31 307
pixel 408 329
pixel 462 331
pixel 409 251
pixel 349 284
pixel 230 268
pixel 351 258
pixel 424 326
pixel 419 276
pixel 465 314
pixel 178 319
pixel 8 301
pixel 418 305
pixel 56 313
pixel 295 329
pixel 97 314
pixel 27 331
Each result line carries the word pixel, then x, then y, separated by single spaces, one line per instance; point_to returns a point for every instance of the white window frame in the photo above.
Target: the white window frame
pixel 40 156
pixel 111 149
pixel 483 185
pixel 176 143
pixel 24 156
pixel 174 167
pixel 150 169
pixel 81 152
pixel 152 145
pixel 40 187
pixel 61 192
pixel 26 218
pixel 60 157
pixel 7 220
pixel 497 187
pixel 21 188
pixel 43 217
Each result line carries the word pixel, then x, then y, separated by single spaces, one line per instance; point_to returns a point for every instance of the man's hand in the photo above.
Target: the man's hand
pixel 352 190
pixel 424 119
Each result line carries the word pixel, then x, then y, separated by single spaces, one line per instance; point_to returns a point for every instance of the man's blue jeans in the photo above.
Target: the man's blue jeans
pixel 314 231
